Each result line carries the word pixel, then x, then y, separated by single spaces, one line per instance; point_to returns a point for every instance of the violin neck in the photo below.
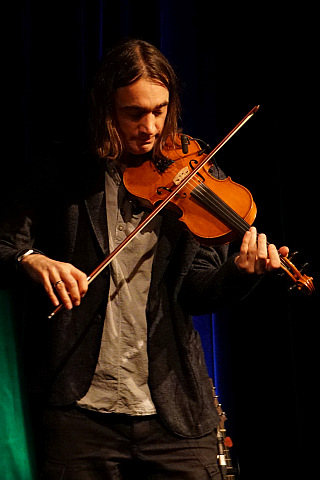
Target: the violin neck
pixel 236 223
pixel 224 457
pixel 220 209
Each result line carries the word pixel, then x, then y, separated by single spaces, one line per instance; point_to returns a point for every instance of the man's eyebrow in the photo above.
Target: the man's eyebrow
pixel 142 109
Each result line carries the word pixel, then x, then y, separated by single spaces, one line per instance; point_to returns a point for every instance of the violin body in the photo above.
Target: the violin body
pixel 215 211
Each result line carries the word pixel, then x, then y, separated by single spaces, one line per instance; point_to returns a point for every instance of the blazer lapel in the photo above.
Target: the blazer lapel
pixel 169 234
pixel 96 207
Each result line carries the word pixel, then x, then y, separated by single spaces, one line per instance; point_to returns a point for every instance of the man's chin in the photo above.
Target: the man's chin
pixel 141 149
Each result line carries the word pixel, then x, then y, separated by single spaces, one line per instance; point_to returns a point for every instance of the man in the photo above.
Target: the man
pixel 120 371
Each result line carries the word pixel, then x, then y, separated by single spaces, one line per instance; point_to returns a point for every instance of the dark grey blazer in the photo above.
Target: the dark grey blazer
pixel 186 279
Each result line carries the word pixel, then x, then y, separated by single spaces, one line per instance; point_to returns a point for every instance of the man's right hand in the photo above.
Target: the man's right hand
pixel 63 282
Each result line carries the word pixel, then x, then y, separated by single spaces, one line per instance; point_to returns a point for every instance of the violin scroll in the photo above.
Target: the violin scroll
pixel 302 282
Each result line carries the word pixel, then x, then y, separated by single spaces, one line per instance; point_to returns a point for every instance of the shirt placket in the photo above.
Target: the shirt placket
pixel 119 236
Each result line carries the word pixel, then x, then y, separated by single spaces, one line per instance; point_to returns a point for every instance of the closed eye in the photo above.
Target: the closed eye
pixel 135 112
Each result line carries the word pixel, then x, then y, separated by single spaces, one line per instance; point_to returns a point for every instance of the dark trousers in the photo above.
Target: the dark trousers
pixel 82 445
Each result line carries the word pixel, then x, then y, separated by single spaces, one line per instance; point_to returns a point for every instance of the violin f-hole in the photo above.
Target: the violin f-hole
pixel 159 190
pixel 193 161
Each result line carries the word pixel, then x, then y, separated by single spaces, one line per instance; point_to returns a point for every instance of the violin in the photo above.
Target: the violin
pixel 215 211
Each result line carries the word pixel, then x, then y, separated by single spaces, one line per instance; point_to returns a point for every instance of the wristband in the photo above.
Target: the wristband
pixel 26 254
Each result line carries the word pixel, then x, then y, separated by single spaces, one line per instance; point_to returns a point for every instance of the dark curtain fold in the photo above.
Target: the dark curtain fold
pixel 228 59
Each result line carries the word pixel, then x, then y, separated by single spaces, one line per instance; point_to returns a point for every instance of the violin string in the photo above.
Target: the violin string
pixel 225 212
pixel 214 203
pixel 220 208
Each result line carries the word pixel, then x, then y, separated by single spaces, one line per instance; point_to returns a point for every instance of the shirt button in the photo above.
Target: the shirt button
pixel 120 227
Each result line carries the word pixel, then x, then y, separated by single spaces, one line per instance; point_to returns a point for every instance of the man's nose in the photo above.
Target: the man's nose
pixel 148 124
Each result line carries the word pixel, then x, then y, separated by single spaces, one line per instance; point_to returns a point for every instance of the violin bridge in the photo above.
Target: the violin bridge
pixel 181 175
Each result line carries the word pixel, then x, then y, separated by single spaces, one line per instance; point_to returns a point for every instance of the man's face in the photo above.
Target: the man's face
pixel 141 110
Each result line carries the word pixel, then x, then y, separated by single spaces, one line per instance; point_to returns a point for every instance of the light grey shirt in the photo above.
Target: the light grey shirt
pixel 120 382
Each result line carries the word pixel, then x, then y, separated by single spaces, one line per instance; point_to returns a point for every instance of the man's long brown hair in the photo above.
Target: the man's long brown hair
pixel 127 62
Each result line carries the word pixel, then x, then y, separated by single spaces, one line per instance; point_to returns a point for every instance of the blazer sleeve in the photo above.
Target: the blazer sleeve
pixel 213 282
pixel 16 237
pixel 30 209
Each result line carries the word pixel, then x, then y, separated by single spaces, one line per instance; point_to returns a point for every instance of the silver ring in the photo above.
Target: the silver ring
pixel 57 283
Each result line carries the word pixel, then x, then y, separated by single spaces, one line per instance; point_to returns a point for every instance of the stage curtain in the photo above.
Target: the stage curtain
pixel 16 459
pixel 215 343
